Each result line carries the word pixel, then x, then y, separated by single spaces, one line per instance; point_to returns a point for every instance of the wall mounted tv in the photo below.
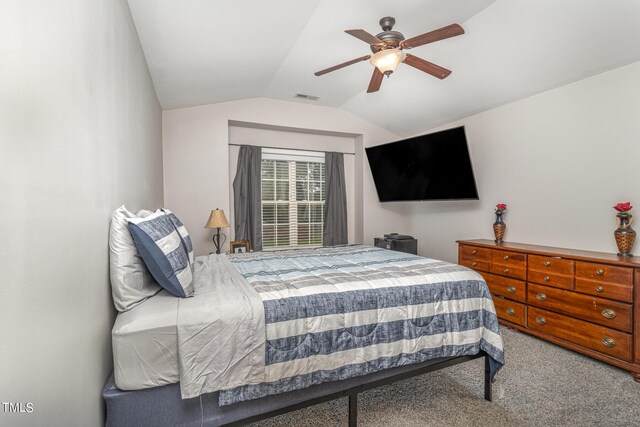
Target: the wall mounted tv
pixel 436 166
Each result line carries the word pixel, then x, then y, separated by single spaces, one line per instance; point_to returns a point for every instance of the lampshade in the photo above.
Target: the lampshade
pixel 217 220
pixel 387 60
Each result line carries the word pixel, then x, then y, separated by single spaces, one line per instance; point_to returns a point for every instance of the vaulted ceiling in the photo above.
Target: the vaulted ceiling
pixel 204 52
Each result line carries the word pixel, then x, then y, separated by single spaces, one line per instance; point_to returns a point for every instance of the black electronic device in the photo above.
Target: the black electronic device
pixel 436 166
pixel 405 244
pixel 396 236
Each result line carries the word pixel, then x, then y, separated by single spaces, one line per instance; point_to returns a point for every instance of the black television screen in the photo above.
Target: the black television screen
pixel 427 167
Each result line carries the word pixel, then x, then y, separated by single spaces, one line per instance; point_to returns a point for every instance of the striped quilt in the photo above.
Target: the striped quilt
pixel 336 313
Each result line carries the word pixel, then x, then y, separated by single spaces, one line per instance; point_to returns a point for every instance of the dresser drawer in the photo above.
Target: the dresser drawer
pixel 509 288
pixel 510 259
pixel 505 287
pixel 605 312
pixel 604 340
pixel 509 271
pixel 510 310
pixel 617 291
pixel 551 279
pixel 474 252
pixel 604 273
pixel 550 264
pixel 486 276
pixel 475 264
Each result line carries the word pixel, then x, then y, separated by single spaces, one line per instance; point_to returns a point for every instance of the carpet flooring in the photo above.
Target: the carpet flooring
pixel 543 385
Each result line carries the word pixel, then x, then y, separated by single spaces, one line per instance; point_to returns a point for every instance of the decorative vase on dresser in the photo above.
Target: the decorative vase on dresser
pixel 499 226
pixel 625 235
pixel 588 302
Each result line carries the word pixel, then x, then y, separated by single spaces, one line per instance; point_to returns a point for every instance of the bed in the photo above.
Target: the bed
pixel 299 327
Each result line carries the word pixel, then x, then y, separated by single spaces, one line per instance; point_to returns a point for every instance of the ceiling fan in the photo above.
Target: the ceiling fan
pixel 388 46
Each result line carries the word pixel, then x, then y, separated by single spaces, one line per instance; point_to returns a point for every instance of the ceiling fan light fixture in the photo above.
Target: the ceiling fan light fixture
pixel 387 60
pixel 387 48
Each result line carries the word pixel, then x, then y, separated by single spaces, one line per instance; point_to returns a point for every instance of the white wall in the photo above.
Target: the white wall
pixel 80 134
pixel 560 160
pixel 196 153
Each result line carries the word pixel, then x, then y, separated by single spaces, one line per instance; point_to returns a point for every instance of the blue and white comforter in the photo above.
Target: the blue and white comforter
pixel 336 313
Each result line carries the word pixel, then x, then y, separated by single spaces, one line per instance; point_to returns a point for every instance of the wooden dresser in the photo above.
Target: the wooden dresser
pixel 588 302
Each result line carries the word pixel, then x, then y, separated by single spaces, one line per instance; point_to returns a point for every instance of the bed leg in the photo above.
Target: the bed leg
pixel 353 410
pixel 487 379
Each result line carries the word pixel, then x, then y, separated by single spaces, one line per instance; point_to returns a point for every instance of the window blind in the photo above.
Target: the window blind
pixel 293 193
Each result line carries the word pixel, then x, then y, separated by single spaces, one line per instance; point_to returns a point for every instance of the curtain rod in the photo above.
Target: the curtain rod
pixel 296 149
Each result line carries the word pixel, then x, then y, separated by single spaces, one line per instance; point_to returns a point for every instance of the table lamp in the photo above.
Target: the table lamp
pixel 217 220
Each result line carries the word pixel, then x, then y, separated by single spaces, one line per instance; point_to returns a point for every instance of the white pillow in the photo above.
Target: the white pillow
pixel 131 282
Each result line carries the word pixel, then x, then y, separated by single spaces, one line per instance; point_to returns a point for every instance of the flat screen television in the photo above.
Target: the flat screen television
pixel 436 166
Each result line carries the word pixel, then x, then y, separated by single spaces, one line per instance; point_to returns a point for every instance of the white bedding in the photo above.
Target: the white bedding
pixel 145 344
pixel 218 334
pixel 221 335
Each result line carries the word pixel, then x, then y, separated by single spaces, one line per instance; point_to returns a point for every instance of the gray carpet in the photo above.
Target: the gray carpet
pixel 544 385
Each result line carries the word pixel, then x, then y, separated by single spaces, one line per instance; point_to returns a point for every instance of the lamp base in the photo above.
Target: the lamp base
pixel 216 241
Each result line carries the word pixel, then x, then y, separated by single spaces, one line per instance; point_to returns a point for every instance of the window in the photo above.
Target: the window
pixel 292 198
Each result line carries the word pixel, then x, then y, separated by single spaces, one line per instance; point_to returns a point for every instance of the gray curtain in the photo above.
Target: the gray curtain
pixel 334 231
pixel 247 202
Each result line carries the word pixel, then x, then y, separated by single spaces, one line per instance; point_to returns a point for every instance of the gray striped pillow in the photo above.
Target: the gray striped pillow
pixel 165 247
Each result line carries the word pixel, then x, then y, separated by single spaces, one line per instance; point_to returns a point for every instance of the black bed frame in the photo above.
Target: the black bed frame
pixel 352 393
pixel 163 405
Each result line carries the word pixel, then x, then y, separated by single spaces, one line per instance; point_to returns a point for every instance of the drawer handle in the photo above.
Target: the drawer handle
pixel 511 290
pixel 506 257
pixel 541 320
pixel 599 272
pixel 609 342
pixel 473 264
pixel 506 270
pixel 510 311
pixel 547 263
pixel 599 288
pixel 608 313
pixel 473 252
pixel 546 278
pixel 541 297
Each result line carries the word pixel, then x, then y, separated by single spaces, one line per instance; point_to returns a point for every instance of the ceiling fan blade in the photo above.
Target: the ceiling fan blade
pixel 344 64
pixel 365 37
pixel 433 36
pixel 426 66
pixel 376 81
